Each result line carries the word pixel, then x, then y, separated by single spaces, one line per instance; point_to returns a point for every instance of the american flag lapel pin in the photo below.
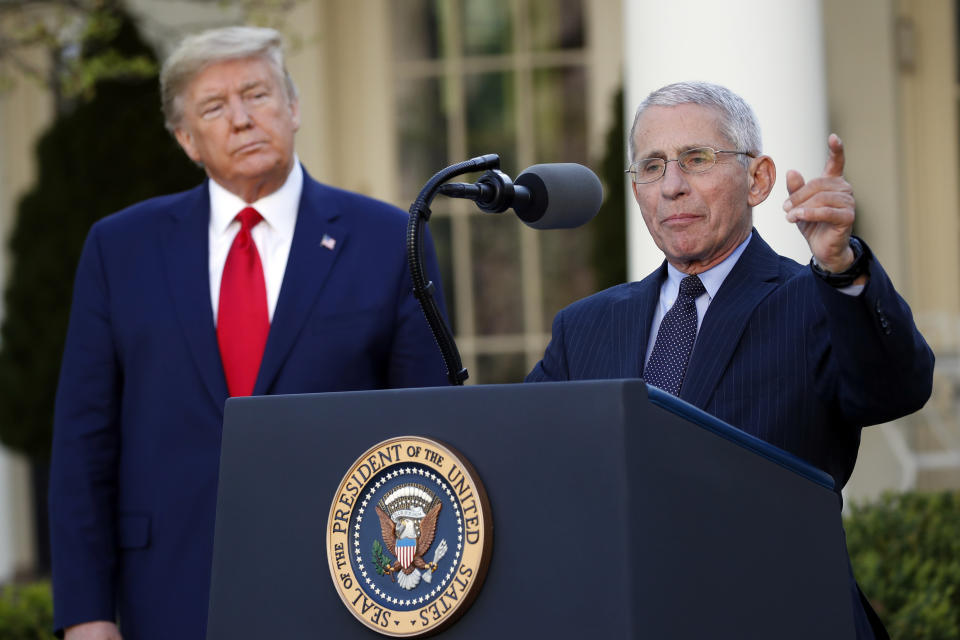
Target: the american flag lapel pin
pixel 327 242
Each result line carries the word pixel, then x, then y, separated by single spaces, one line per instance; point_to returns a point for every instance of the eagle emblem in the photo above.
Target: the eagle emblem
pixel 408 524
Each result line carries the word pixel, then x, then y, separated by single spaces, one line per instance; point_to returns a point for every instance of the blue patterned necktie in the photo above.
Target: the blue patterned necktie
pixel 678 331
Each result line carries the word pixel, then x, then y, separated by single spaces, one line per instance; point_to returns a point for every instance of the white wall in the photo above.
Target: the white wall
pixel 24 112
pixel 16 520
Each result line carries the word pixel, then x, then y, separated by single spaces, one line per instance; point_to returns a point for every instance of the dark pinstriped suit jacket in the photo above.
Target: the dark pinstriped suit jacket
pixel 780 354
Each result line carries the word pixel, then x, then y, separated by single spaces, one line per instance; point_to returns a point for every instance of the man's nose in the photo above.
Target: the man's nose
pixel 239 116
pixel 674 181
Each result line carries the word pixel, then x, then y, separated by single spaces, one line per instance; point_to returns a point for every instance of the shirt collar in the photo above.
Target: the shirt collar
pixel 713 277
pixel 279 209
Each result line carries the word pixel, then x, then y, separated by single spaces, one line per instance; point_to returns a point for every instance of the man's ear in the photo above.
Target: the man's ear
pixel 761 176
pixel 295 113
pixel 186 143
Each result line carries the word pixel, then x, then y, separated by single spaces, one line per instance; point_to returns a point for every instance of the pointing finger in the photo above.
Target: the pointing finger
pixel 835 161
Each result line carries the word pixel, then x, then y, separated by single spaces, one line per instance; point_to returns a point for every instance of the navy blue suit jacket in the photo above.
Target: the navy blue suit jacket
pixel 140 402
pixel 780 354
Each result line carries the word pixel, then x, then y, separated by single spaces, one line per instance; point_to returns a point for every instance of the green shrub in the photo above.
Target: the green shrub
pixel 97 157
pixel 26 612
pixel 905 551
pixel 609 242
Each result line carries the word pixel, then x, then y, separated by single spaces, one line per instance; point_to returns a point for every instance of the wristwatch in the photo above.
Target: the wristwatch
pixel 861 256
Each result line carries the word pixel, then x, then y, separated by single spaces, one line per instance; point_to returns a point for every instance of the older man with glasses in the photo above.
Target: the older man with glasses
pixel 802 356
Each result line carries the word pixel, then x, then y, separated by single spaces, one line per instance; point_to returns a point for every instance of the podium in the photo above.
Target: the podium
pixel 618 512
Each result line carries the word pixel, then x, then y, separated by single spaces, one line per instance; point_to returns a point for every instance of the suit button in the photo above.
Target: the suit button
pixel 884 323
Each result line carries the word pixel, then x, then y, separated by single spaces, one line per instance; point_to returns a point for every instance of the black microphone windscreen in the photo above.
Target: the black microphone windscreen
pixel 563 195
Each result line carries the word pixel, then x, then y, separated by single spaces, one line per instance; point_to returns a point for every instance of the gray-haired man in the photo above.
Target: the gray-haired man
pixel 800 356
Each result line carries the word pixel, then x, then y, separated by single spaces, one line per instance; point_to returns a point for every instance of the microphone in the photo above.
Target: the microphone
pixel 545 196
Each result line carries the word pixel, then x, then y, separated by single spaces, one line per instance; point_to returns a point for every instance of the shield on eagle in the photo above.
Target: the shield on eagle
pixel 406 549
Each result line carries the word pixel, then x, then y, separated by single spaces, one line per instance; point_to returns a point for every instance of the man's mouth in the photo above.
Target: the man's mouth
pixel 680 218
pixel 249 147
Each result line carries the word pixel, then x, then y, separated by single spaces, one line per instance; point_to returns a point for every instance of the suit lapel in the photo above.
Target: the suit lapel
pixel 751 280
pixel 632 319
pixel 308 267
pixel 186 250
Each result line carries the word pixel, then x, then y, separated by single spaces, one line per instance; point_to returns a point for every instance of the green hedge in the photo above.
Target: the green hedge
pixel 26 612
pixel 905 551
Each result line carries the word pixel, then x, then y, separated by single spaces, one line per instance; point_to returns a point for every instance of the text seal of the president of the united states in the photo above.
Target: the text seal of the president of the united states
pixel 409 537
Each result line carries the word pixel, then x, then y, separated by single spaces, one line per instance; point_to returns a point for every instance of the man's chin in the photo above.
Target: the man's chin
pixel 685 252
pixel 261 165
pixel 684 247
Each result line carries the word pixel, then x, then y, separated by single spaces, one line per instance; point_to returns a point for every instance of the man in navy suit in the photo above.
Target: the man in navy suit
pixel 259 281
pixel 800 356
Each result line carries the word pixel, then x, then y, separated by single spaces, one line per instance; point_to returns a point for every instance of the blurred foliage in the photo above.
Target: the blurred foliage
pixel 26 612
pixel 98 157
pixel 609 255
pixel 39 40
pixel 905 551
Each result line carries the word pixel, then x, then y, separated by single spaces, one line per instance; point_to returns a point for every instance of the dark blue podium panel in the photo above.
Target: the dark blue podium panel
pixel 616 515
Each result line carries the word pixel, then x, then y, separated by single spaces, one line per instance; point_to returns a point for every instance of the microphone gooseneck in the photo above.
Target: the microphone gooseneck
pixel 544 196
pixel 423 289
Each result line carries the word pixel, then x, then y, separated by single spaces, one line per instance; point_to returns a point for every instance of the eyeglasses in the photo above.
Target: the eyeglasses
pixel 691 161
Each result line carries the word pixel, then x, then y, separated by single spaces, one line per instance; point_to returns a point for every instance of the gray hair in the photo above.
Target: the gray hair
pixel 738 123
pixel 197 52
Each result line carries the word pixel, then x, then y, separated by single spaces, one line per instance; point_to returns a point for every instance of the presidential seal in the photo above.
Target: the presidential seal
pixel 409 537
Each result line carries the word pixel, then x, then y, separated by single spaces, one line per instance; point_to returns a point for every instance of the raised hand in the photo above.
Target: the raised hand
pixel 823 210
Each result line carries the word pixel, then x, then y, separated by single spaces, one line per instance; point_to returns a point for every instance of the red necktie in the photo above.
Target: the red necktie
pixel 242 319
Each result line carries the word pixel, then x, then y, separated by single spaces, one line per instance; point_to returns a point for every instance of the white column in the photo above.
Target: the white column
pixel 6 531
pixel 16 519
pixel 25 111
pixel 771 53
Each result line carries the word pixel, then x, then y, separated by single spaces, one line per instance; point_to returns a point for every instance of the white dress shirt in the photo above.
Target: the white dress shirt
pixel 712 278
pixel 273 235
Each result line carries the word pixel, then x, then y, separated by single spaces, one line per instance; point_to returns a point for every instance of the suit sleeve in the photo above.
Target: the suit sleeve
pixel 885 366
pixel 415 358
pixel 83 476
pixel 553 366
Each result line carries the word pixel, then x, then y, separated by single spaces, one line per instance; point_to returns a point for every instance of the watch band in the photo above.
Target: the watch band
pixel 861 254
